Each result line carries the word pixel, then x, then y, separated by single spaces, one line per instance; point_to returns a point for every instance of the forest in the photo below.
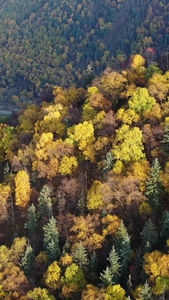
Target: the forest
pixel 46 43
pixel 84 191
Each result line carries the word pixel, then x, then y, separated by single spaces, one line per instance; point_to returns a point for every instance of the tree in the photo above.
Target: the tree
pixel 165 226
pixel 106 277
pixel 149 236
pixel 154 189
pixel 22 190
pixel 45 203
pixel 28 260
pixel 51 240
pixel 68 165
pixel 80 257
pixel 53 276
pixel 31 225
pixel 128 144
pixel 38 294
pixel 141 101
pixel 123 248
pixel 74 280
pixel 145 292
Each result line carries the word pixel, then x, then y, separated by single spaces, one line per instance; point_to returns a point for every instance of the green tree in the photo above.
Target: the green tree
pixel 149 236
pixel 80 257
pixel 123 248
pixel 31 225
pixel 45 202
pixel 165 226
pixel 145 292
pixel 27 261
pixel 154 189
pixel 51 240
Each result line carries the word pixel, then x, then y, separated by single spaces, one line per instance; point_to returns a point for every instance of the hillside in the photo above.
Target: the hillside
pixel 53 42
pixel 84 189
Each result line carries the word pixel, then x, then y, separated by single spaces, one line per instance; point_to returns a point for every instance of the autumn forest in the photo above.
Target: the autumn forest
pixel 84 160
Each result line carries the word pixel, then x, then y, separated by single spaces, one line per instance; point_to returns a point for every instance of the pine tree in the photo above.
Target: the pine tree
pixel 27 261
pixel 51 240
pixel 94 266
pixel 123 248
pixel 80 257
pixel 154 189
pixel 114 264
pixel 106 277
pixel 31 225
pixel 45 203
pixel 165 142
pixel 145 293
pixel 149 236
pixel 165 226
pixel 108 162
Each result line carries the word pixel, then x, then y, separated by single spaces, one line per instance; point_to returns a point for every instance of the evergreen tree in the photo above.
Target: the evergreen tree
pixel 28 260
pixel 106 277
pixel 154 189
pixel 123 248
pixel 94 266
pixel 145 293
pixel 89 76
pixel 81 258
pixel 114 264
pixel 31 225
pixel 51 240
pixel 149 236
pixel 165 226
pixel 45 203
pixel 165 142
pixel 108 162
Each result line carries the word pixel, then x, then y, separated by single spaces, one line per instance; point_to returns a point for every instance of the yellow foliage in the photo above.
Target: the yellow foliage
pixel 68 165
pixel 5 192
pixel 138 62
pixel 116 292
pixel 113 223
pixel 140 170
pixel 118 167
pixel 53 276
pixel 156 264
pixel 22 190
pixel 66 260
pixel 88 112
pixel 155 114
pixel 128 116
pixel 128 144
pixel 94 196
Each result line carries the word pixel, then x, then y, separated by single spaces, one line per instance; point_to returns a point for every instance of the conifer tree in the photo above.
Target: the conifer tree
pixel 123 248
pixel 149 236
pixel 51 240
pixel 94 266
pixel 165 226
pixel 45 202
pixel 145 292
pixel 106 277
pixel 31 225
pixel 80 257
pixel 154 186
pixel 108 162
pixel 115 266
pixel 27 260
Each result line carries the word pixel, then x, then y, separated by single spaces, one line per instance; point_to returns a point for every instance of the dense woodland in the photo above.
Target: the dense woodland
pixel 45 43
pixel 84 192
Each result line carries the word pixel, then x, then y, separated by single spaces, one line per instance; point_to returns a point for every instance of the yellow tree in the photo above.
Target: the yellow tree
pixel 128 144
pixel 22 189
pixel 141 101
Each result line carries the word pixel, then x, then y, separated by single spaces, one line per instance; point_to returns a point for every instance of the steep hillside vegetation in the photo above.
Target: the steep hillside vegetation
pixel 84 192
pixel 53 42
